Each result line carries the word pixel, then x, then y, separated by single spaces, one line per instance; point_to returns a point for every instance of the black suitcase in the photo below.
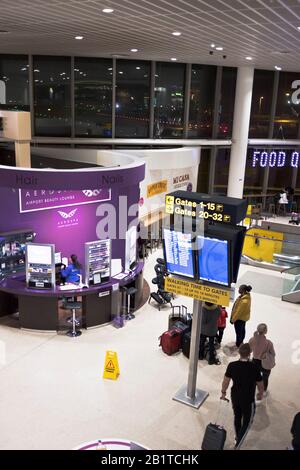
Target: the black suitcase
pixel 214 437
pixel 215 434
pixel 186 344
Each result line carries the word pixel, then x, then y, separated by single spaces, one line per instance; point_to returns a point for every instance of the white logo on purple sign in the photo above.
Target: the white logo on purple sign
pixel 67 215
pixel 32 200
pixel 91 193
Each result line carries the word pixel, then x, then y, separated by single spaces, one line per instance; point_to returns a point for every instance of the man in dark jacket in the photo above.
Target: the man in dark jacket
pixel 209 329
pixel 296 432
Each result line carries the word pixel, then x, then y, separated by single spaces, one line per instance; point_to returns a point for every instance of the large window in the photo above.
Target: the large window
pixel 14 82
pixel 93 97
pixel 132 98
pixel 227 102
pixel 287 111
pixel 254 175
pixel 169 100
pixel 261 104
pixel 52 95
pixel 222 171
pixel 202 101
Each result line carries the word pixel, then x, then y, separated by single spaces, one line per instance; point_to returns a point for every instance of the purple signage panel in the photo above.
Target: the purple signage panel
pixel 31 200
pixel 78 179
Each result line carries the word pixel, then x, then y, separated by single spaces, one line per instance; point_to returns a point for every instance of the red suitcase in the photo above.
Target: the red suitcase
pixel 170 341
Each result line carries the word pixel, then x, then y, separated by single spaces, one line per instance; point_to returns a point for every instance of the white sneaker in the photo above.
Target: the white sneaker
pixel 266 393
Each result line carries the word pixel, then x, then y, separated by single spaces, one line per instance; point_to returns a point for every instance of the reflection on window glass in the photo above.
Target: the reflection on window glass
pixel 169 100
pixel 203 171
pixel 254 176
pixel 93 97
pixel 202 100
pixel 261 103
pixel 14 82
pixel 132 98
pixel 222 171
pixel 288 108
pixel 52 95
pixel 229 75
pixel 279 178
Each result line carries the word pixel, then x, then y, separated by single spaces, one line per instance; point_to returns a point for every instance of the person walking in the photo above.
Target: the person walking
pixel 263 353
pixel 245 377
pixel 209 329
pixel 221 324
pixel 240 313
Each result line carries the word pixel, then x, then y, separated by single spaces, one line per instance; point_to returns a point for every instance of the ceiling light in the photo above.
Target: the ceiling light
pixel 120 72
pixel 248 58
pixel 110 68
pixel 219 48
pixel 176 33
pixel 212 45
pixel 298 27
pixel 277 67
pixel 133 50
pixel 138 68
pixel 173 58
pixel 107 10
pixel 79 37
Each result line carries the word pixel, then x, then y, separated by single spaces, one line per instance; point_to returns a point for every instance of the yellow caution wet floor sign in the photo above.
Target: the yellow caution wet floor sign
pixel 111 366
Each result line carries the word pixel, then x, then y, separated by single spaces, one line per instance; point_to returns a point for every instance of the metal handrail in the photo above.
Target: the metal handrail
pixel 273 239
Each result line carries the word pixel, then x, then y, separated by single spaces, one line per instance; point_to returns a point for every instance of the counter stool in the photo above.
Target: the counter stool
pixel 73 306
pixel 129 292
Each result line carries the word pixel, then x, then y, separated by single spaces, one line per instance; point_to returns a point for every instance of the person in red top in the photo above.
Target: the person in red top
pixel 221 324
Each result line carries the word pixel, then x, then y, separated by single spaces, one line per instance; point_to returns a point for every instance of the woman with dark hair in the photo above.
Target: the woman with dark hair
pixel 240 313
pixel 71 273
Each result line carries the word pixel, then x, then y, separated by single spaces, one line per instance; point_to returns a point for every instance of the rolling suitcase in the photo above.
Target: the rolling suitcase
pixel 170 341
pixel 175 315
pixel 183 328
pixel 215 434
pixel 187 317
pixel 186 344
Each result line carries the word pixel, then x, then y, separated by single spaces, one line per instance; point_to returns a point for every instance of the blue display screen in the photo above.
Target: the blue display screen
pixel 179 253
pixel 213 260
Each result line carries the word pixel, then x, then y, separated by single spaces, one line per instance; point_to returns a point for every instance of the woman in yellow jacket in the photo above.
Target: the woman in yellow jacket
pixel 241 313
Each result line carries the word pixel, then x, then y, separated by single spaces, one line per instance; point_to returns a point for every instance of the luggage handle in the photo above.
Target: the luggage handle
pixel 223 404
pixel 177 309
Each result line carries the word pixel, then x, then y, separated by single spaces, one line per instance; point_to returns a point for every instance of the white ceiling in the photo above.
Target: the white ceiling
pixel 264 29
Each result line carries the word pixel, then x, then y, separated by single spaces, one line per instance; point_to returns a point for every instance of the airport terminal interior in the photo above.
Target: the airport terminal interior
pixel 149 182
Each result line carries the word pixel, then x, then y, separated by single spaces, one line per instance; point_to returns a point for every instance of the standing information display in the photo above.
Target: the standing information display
pixel 40 266
pixel 98 262
pixel 202 241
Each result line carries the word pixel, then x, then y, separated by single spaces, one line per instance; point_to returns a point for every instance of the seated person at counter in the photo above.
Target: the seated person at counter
pixel 71 273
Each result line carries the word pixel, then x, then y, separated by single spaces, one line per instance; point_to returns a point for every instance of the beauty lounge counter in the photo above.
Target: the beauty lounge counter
pixel 42 309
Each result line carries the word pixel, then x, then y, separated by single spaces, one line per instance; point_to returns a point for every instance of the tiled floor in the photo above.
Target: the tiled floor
pixel 52 394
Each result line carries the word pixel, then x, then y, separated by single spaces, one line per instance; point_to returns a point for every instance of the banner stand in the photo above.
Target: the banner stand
pixel 189 394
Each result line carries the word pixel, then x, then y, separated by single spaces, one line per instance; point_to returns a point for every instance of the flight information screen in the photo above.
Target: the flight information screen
pixel 179 253
pixel 213 260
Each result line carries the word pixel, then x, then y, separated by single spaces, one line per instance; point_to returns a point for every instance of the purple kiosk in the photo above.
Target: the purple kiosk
pixel 68 208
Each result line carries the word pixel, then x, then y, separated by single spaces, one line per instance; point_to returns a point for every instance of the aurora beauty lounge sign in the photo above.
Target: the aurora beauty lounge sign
pixel 41 199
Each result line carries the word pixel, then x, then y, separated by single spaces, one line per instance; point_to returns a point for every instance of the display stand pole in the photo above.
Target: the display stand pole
pixel 190 395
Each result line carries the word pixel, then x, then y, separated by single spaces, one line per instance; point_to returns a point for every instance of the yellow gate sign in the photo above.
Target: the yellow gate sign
pixel 111 366
pixel 198 291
